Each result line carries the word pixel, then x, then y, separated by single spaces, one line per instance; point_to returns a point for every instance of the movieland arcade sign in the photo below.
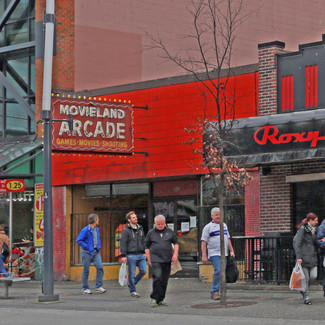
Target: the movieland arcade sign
pixel 98 126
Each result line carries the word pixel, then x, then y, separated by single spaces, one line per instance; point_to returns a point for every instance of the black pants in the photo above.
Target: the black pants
pixel 322 271
pixel 160 276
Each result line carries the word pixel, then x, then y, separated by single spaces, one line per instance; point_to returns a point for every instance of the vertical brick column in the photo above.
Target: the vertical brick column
pixel 275 200
pixel 267 76
pixel 63 61
pixel 62 81
pixel 59 233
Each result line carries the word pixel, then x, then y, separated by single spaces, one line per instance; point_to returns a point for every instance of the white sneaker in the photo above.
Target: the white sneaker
pixel 135 295
pixel 100 290
pixel 86 292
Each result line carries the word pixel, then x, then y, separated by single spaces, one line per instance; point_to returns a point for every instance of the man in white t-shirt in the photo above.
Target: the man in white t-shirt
pixel 210 241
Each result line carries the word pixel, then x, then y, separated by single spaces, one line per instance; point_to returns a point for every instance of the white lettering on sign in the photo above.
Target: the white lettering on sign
pixel 88 128
pixel 92 111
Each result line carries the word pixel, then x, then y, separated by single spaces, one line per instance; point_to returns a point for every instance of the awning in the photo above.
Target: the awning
pixel 10 152
pixel 280 138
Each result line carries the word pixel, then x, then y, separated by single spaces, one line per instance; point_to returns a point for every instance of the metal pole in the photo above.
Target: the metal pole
pixel 10 219
pixel 48 278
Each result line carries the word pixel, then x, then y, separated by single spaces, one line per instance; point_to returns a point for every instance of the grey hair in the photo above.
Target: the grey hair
pixel 214 210
pixel 159 216
pixel 92 218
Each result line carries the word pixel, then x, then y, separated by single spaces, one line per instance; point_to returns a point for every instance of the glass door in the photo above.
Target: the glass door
pixel 181 216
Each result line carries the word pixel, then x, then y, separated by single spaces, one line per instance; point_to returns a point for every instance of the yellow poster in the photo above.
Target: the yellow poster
pixel 39 213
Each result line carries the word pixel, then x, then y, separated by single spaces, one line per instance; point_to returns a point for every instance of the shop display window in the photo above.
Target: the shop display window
pixel 234 207
pixel 308 197
pixel 181 216
pixel 111 203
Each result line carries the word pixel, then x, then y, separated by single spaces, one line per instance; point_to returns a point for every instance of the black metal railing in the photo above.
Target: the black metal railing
pixel 265 259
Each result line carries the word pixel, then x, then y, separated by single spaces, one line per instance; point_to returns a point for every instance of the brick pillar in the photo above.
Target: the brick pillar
pixel 63 61
pixel 62 81
pixel 59 233
pixel 267 76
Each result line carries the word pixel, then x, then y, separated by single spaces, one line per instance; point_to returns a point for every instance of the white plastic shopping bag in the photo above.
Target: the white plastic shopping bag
pixel 123 275
pixel 297 279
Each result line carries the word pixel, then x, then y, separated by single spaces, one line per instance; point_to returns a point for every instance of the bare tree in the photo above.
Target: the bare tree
pixel 215 23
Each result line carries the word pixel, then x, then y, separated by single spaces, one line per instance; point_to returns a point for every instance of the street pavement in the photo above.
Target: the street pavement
pixel 188 303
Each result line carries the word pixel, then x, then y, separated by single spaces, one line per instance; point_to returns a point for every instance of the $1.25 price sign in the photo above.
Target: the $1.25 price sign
pixel 12 185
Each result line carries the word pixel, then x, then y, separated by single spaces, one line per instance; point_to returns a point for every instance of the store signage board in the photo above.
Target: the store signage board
pixel 12 185
pixel 39 215
pixel 98 126
pixel 280 138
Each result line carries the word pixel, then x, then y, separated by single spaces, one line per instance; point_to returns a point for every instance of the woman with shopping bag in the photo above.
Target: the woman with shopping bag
pixel 305 249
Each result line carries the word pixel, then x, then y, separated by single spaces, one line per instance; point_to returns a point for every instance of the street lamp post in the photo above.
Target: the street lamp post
pixel 48 277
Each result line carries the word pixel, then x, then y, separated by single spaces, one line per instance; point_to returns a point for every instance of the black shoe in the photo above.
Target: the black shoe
pixel 307 302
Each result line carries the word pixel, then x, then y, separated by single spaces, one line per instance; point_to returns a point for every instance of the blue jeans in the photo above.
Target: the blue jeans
pixel 215 261
pixel 87 259
pixel 136 261
pixel 2 268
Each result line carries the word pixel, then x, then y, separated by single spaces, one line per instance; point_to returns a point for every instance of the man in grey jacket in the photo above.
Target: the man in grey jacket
pixel 132 251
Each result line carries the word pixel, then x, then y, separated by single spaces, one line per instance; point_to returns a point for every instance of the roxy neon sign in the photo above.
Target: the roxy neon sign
pixel 271 133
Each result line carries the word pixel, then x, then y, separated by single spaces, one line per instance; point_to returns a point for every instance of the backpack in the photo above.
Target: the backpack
pixel 5 250
pixel 232 271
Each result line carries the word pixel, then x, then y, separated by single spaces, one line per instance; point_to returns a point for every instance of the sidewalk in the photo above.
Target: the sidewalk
pixel 187 297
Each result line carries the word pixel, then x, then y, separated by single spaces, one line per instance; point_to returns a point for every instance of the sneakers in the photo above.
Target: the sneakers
pixel 135 295
pixel 162 303
pixel 86 292
pixel 215 296
pixel 100 290
pixel 154 303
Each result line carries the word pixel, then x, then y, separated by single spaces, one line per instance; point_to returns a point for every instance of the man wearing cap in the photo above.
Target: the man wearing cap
pixel 210 241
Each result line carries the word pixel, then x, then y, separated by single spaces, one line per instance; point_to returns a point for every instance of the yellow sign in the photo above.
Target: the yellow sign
pixel 39 214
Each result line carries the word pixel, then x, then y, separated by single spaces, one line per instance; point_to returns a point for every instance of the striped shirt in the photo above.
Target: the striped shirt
pixel 211 235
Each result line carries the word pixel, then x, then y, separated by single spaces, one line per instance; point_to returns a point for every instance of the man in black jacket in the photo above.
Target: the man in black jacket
pixel 132 251
pixel 160 254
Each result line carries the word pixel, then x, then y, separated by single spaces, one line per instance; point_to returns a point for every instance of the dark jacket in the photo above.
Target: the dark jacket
pixel 132 240
pixel 321 234
pixel 86 239
pixel 160 244
pixel 304 245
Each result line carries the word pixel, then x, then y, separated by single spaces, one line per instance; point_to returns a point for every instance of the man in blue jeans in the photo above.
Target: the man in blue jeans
pixel 89 241
pixel 132 251
pixel 210 241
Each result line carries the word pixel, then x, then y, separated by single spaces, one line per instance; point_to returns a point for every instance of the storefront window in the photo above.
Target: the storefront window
pixel 111 203
pixel 234 207
pixel 181 216
pixel 308 197
pixel 22 215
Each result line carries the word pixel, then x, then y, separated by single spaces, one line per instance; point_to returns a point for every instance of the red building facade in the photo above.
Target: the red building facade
pixel 162 174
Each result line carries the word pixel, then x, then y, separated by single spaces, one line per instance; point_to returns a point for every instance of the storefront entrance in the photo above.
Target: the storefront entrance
pixel 181 216
pixel 308 197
